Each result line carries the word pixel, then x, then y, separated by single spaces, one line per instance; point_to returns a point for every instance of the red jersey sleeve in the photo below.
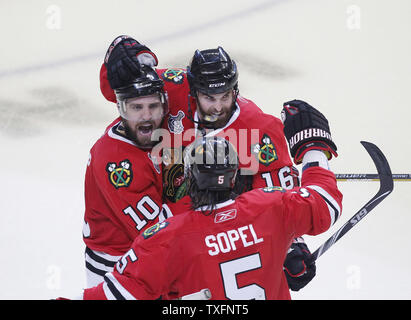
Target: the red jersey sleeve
pixel 316 206
pixel 143 272
pixel 264 152
pixel 275 165
pixel 144 192
pixel 123 193
pixel 175 84
pixel 105 88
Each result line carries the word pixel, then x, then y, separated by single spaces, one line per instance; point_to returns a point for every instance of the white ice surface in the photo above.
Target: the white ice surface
pixel 51 112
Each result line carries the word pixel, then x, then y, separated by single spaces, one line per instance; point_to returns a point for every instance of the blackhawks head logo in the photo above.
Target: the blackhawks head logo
pixel 265 151
pixel 120 175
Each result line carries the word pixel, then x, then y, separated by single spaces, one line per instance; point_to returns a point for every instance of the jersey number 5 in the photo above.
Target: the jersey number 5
pixel 229 271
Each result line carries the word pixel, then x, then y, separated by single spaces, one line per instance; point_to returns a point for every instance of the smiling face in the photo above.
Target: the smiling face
pixel 215 108
pixel 141 116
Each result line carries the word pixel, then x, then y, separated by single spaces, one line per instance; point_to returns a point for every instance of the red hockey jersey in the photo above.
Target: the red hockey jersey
pixel 237 252
pixel 123 193
pixel 258 138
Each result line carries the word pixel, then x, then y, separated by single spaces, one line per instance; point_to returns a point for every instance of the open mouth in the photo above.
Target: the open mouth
pixel 146 129
pixel 212 117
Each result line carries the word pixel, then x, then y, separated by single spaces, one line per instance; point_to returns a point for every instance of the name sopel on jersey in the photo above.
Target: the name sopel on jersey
pixel 227 241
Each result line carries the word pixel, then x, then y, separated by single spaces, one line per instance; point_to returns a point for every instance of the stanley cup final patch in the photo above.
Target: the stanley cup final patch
pixel 175 123
pixel 120 175
pixel 265 151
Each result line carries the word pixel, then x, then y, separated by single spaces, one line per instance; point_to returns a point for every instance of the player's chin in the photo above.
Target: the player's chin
pixel 222 120
pixel 144 140
pixel 145 137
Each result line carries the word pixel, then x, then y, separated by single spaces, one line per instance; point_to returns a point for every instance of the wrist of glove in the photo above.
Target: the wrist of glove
pixel 299 265
pixel 124 58
pixel 306 129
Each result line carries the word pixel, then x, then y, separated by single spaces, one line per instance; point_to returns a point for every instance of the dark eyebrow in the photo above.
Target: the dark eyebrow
pixel 142 104
pixel 136 104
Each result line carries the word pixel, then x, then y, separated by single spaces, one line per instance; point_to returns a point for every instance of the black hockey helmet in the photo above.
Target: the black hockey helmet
pixel 212 71
pixel 147 83
pixel 212 162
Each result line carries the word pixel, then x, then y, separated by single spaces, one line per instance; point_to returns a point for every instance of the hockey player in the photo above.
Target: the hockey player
pixel 123 182
pixel 232 245
pixel 205 100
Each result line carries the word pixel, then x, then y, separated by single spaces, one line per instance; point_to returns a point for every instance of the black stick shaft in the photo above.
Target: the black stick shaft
pixel 386 186
pixel 371 176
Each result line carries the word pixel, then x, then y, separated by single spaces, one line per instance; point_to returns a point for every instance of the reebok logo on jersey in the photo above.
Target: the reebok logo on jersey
pixel 225 216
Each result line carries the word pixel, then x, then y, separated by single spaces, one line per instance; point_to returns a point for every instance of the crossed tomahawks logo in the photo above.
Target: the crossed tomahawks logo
pixel 265 151
pixel 120 175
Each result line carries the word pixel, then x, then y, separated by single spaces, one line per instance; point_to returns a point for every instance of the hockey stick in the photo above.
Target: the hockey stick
pixel 370 176
pixel 386 187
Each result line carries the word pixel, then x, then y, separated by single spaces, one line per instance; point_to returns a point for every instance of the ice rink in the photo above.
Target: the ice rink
pixel 350 59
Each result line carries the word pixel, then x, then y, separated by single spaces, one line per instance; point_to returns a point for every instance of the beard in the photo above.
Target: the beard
pixel 213 121
pixel 141 133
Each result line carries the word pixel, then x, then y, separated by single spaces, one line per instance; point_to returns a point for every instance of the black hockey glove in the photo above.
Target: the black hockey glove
pixel 299 266
pixel 124 58
pixel 306 129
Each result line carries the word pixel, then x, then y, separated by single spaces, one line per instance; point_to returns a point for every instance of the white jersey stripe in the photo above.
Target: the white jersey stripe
pixel 98 265
pixel 333 207
pixel 109 279
pixel 108 293
pixel 95 255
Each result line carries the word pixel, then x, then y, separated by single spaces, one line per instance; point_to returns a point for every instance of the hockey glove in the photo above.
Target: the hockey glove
pixel 299 266
pixel 124 58
pixel 306 129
